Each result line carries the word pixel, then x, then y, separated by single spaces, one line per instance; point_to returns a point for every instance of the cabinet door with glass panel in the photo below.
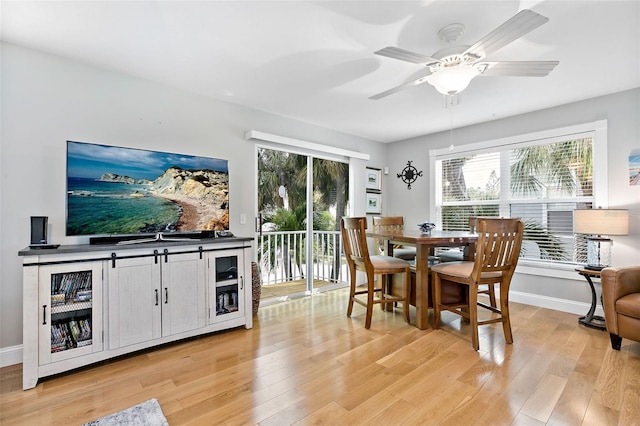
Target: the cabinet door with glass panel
pixel 71 310
pixel 226 283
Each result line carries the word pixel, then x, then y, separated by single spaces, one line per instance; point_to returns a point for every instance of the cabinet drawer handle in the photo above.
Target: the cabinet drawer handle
pixel 155 256
pixel 156 290
pixel 44 314
pixel 166 295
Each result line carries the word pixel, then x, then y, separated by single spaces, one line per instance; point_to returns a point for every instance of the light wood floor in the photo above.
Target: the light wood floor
pixel 278 291
pixel 305 362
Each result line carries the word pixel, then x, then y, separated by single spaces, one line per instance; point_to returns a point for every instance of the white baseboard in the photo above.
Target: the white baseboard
pixel 13 355
pixel 10 356
pixel 564 305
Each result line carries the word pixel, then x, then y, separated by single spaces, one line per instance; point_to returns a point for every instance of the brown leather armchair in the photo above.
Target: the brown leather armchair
pixel 621 301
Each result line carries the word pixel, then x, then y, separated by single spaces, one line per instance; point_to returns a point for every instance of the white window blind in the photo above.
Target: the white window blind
pixel 540 181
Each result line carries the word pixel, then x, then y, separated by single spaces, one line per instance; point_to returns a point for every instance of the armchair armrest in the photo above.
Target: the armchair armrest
pixel 617 283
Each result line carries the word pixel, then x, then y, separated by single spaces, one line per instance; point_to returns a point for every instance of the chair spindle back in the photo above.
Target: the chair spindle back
pixel 498 246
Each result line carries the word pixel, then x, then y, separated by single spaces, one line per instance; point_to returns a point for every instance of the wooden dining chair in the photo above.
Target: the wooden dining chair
pixel 460 253
pixel 496 257
pixel 490 289
pixel 385 223
pixel 354 239
pixel 391 224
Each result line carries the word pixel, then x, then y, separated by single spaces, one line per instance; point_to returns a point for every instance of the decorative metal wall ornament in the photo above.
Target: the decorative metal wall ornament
pixel 409 174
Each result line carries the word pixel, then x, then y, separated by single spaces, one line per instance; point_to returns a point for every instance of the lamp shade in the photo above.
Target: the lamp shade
pixel 452 80
pixel 601 221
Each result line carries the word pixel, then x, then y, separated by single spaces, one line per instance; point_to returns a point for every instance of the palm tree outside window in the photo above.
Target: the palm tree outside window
pixel 541 182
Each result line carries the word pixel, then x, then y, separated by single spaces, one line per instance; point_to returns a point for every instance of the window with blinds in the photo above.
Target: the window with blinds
pixel 541 182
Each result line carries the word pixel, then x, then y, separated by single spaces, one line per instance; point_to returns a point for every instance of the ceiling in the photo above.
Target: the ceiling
pixel 314 61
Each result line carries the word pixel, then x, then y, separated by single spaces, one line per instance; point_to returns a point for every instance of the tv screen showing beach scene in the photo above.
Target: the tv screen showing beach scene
pixel 121 191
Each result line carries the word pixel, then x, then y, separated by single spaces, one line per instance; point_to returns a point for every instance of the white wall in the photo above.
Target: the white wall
pixel 48 100
pixel 568 292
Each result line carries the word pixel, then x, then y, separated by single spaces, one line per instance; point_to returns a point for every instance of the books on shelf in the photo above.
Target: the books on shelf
pixel 70 287
pixel 70 334
pixel 67 289
pixel 83 296
pixel 57 299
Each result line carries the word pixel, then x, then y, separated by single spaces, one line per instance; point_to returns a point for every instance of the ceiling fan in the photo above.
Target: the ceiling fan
pixel 451 69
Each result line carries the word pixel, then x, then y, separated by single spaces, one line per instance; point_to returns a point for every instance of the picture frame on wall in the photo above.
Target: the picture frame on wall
pixel 373 182
pixel 374 201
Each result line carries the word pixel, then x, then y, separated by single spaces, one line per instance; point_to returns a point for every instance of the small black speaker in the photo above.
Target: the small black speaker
pixel 39 229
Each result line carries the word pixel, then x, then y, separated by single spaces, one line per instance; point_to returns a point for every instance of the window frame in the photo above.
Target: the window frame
pixel 597 130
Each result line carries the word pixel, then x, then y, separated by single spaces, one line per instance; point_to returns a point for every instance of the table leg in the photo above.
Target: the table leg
pixel 422 286
pixel 591 320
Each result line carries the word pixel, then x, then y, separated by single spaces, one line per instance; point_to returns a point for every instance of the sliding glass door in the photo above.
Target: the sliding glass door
pixel 301 200
pixel 330 198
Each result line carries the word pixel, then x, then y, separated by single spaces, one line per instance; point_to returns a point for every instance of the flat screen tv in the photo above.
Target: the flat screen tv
pixel 116 191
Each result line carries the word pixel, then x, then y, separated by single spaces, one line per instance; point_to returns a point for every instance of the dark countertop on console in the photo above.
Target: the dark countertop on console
pixel 85 248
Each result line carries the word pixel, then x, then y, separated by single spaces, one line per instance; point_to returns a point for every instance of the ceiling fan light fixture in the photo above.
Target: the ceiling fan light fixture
pixel 452 80
pixel 451 69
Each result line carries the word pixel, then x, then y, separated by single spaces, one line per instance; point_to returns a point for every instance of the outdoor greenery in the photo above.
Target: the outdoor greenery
pixel 562 168
pixel 282 199
pixel 567 166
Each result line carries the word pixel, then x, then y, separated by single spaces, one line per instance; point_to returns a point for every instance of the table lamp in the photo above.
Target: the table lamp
pixel 599 224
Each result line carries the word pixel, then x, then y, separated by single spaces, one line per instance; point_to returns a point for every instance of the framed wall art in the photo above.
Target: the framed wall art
pixel 374 180
pixel 374 203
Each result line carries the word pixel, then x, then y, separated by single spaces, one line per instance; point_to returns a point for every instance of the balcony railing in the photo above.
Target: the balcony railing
pixel 282 256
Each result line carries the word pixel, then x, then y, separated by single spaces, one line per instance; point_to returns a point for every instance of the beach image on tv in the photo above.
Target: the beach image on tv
pixel 113 191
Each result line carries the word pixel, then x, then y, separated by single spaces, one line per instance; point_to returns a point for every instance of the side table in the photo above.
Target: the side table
pixel 591 320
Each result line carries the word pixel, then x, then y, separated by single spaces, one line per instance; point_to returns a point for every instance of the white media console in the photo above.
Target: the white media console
pixel 87 303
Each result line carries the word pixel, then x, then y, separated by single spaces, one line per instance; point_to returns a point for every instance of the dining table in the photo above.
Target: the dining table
pixel 425 243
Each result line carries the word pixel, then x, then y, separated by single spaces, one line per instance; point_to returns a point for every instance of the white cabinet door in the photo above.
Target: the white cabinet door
pixel 183 292
pixel 134 301
pixel 70 317
pixel 226 284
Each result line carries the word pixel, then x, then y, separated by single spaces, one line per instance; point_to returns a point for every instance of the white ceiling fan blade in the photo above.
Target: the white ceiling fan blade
pixel 520 24
pixel 406 55
pixel 391 91
pixel 518 68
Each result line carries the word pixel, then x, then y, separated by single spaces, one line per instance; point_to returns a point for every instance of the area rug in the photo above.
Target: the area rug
pixel 148 413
